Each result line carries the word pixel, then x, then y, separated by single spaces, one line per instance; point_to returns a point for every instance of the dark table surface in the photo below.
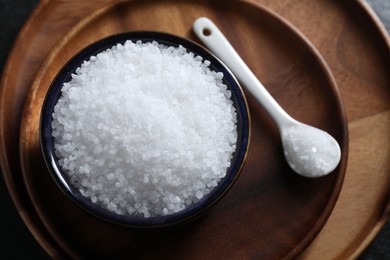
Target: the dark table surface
pixel 16 242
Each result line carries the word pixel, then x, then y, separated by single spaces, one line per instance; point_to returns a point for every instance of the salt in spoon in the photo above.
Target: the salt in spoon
pixel 309 151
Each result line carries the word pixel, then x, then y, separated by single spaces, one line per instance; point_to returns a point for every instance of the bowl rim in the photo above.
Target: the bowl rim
pixel 194 210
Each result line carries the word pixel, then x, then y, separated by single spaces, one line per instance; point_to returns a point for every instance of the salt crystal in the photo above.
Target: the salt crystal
pixel 309 151
pixel 145 129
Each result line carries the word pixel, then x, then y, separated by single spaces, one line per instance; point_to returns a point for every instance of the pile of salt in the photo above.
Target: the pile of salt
pixel 145 129
pixel 309 151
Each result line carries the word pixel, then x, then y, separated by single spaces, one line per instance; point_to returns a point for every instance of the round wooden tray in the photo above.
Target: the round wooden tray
pixel 338 30
pixel 286 209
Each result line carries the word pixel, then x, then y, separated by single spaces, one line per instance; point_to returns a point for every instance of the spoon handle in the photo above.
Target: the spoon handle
pixel 213 38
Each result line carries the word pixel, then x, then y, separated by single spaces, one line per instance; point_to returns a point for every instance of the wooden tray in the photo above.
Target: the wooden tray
pixel 367 104
pixel 286 209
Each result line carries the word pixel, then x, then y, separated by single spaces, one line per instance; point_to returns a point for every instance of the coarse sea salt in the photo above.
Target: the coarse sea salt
pixel 309 151
pixel 145 129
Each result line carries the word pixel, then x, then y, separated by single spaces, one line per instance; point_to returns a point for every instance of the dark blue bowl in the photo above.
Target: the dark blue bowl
pixel 189 213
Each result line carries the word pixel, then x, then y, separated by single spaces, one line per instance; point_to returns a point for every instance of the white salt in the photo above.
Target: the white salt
pixel 145 129
pixel 309 151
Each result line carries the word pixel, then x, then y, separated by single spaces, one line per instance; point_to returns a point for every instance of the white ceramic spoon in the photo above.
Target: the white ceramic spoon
pixel 309 151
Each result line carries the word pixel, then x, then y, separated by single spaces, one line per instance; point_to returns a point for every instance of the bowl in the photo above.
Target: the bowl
pixel 138 221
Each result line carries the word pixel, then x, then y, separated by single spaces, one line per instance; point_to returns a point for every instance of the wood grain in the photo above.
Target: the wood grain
pixel 370 141
pixel 338 30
